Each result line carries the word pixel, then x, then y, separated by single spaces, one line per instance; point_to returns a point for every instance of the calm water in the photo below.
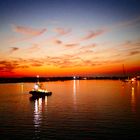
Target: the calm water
pixel 83 110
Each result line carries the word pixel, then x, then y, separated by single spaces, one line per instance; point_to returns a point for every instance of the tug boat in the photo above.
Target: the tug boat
pixel 38 91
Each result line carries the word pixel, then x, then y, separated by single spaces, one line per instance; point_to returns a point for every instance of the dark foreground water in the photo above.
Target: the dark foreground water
pixel 78 110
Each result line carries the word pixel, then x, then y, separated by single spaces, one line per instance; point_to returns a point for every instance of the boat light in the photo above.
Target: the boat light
pixel 36 87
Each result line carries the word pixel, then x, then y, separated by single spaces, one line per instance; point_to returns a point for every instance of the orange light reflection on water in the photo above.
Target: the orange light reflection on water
pixel 133 100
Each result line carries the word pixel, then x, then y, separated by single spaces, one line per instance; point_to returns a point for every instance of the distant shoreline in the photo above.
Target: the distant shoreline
pixel 45 79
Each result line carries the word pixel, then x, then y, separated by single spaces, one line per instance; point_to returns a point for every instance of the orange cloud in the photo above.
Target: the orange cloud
pixel 61 63
pixel 10 66
pixel 6 66
pixel 71 45
pixel 35 63
pixel 134 52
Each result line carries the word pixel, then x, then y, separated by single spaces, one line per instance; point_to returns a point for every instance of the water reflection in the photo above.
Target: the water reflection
pixel 131 89
pixel 22 87
pixel 90 109
pixel 75 86
pixel 134 91
pixel 74 90
pixel 40 105
pixel 37 113
pixel 133 100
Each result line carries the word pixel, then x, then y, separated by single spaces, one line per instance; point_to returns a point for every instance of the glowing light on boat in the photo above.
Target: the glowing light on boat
pixel 133 79
pixel 36 87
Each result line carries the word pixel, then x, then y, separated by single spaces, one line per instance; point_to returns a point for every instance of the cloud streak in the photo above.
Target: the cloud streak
pixel 28 30
pixel 34 48
pixel 26 33
pixel 11 66
pixel 134 53
pixel 71 45
pixel 131 22
pixel 7 66
pixel 130 48
pixel 93 34
pixel 62 31
pixel 13 49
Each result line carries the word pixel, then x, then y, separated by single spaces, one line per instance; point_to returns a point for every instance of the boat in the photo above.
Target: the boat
pixel 125 77
pixel 38 91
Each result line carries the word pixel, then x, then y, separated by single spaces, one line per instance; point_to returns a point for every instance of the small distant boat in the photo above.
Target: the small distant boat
pixel 125 78
pixel 39 91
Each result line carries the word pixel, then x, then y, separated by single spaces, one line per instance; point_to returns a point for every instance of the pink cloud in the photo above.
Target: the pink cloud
pixel 53 41
pixel 93 34
pixel 28 30
pixel 26 33
pixel 62 31
pixel 90 46
pixel 34 48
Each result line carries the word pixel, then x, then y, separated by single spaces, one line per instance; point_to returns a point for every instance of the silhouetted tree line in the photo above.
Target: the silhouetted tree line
pixel 44 79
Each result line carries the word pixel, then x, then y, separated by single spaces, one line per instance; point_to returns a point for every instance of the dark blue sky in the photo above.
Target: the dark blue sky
pixel 118 8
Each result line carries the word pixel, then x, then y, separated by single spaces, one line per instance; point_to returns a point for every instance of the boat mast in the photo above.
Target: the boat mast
pixel 37 79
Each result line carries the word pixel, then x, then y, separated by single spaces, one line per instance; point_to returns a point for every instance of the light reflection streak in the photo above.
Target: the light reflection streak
pixel 36 115
pixel 133 100
pixel 74 87
pixel 46 100
pixel 39 107
pixel 75 84
pixel 74 93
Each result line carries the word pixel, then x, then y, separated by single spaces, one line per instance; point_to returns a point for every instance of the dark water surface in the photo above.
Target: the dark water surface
pixel 79 110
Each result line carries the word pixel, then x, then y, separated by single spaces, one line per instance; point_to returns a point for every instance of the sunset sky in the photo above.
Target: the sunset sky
pixel 69 37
